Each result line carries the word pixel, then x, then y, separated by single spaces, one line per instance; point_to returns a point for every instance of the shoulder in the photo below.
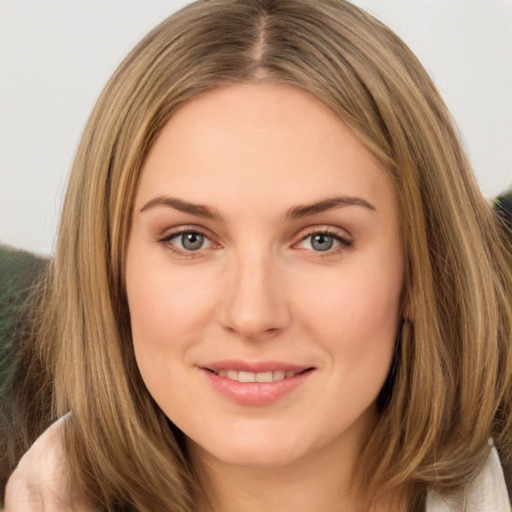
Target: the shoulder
pixel 41 480
pixel 487 493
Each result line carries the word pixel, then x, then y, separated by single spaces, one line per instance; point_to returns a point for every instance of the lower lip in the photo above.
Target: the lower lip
pixel 256 393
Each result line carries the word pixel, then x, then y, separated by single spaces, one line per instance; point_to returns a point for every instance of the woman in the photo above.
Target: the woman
pixel 276 284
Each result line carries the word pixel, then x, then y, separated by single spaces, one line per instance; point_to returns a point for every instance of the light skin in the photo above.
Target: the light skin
pixel 265 238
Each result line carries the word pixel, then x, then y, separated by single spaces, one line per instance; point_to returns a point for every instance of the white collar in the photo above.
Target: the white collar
pixel 487 493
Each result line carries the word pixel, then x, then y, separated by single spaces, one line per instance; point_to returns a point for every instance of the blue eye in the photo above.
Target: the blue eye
pixel 188 241
pixel 192 241
pixel 324 242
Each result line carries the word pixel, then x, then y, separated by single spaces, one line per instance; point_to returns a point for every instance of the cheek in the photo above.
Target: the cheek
pixel 167 313
pixel 364 336
pixel 373 308
pixel 356 319
pixel 362 340
pixel 362 303
pixel 164 304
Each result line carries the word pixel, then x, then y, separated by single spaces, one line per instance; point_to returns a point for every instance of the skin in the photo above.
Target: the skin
pixel 255 287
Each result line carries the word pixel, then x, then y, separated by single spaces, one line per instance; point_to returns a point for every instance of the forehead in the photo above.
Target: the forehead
pixel 260 141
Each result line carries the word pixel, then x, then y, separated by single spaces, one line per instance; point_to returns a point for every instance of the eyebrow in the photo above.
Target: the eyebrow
pixel 293 213
pixel 298 212
pixel 198 210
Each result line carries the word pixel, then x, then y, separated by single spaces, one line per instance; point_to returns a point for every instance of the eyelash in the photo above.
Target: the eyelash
pixel 166 241
pixel 344 243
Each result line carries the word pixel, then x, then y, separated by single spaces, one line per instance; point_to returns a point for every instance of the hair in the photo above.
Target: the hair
pixel 449 388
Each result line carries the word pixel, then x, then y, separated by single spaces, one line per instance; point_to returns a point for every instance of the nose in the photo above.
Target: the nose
pixel 254 302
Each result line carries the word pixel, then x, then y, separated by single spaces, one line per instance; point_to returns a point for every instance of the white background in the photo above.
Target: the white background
pixel 56 55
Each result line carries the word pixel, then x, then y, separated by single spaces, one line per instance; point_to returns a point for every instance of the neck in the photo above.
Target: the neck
pixel 298 488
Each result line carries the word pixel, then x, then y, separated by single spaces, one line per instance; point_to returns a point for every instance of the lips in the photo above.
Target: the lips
pixel 255 383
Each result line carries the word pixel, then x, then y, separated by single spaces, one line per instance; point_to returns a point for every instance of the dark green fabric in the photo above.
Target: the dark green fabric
pixel 18 272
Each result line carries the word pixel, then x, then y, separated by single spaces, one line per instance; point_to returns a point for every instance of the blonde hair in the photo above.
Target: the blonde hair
pixel 449 389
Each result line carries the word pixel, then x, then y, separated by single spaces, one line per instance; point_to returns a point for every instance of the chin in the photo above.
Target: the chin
pixel 255 451
pixel 258 458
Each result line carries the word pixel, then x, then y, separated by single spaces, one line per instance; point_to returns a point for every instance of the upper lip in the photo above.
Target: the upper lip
pixel 255 367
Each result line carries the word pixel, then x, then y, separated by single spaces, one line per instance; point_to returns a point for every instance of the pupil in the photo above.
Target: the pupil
pixel 322 242
pixel 192 241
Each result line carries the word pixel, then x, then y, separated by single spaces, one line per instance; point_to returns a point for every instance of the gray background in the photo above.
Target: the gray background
pixel 56 55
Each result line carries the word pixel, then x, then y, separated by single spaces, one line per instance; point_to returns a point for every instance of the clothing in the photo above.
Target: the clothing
pixel 487 493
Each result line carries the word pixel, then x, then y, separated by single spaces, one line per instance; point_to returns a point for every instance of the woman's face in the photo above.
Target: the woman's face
pixel 264 276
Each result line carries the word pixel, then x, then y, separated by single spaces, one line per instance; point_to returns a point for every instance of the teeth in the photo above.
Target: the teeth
pixel 232 374
pixel 264 377
pixel 246 377
pixel 279 374
pixel 270 376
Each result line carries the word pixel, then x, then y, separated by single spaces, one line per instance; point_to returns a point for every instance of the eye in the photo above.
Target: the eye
pixel 187 241
pixel 321 242
pixel 324 241
pixel 190 241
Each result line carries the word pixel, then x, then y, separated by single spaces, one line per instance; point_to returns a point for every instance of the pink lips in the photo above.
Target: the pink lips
pixel 259 383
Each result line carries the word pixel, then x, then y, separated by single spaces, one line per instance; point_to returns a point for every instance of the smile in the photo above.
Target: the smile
pixel 268 376
pixel 255 384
